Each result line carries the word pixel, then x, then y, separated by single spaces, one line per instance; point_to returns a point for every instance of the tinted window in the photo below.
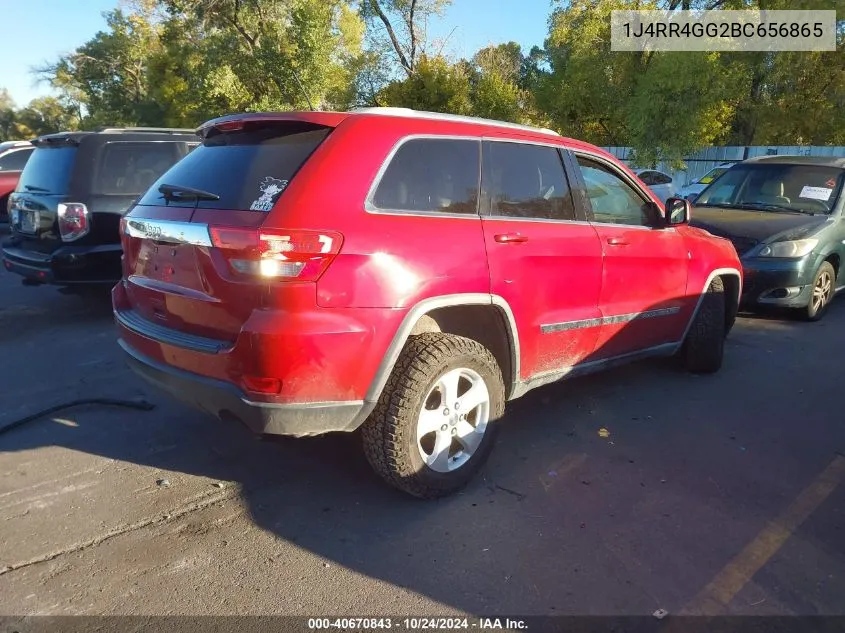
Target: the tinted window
pixel 15 161
pixel 526 181
pixel 431 175
pixel 776 187
pixel 127 168
pixel 647 177
pixel 661 179
pixel 247 168
pixel 48 170
pixel 612 199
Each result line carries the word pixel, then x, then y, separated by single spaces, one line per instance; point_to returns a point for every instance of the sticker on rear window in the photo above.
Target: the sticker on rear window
pixel 271 189
pixel 816 193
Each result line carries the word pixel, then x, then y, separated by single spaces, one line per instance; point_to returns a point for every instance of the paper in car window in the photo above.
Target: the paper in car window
pixel 816 193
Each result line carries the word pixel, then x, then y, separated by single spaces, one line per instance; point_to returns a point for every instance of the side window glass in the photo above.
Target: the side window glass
pixel 431 175
pixel 648 178
pixel 613 201
pixel 15 161
pixel 127 168
pixel 526 181
pixel 662 179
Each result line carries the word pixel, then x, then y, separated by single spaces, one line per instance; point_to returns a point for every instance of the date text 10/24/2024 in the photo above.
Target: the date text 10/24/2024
pixel 416 624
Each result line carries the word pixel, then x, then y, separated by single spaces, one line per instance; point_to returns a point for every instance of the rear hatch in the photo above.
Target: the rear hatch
pixel 43 184
pixel 196 259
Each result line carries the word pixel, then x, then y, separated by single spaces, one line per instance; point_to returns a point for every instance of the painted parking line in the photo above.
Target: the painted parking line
pixel 718 593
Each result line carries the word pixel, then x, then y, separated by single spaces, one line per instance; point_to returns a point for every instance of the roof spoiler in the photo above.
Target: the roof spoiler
pixel 150 130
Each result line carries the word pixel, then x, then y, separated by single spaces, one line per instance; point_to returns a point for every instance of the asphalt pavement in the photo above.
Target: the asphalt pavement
pixel 719 494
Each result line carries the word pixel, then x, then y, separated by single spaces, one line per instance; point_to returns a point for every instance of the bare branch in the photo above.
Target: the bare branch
pixel 413 32
pixel 396 45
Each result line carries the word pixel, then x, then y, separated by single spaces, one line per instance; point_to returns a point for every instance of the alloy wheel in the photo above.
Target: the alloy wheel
pixel 453 420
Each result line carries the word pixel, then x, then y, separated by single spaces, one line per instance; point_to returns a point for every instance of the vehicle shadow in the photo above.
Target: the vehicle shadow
pixel 547 527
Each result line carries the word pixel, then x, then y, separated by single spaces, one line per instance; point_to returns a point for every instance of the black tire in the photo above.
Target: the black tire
pixel 704 347
pixel 389 434
pixel 813 312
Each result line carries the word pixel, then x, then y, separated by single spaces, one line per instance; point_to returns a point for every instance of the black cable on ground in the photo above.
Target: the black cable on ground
pixel 139 405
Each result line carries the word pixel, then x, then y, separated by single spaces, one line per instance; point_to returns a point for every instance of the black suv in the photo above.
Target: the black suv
pixel 65 212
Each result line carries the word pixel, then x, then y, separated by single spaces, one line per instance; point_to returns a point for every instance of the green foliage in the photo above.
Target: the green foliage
pixel 44 115
pixel 180 62
pixel 436 86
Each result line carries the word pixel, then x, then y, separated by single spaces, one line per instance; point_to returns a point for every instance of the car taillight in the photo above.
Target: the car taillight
pixel 299 255
pixel 74 220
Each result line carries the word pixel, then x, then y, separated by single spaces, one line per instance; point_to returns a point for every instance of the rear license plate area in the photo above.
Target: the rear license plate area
pixel 28 221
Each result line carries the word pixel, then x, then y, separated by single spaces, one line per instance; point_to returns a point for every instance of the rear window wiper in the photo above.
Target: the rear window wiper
pixel 178 192
pixel 34 188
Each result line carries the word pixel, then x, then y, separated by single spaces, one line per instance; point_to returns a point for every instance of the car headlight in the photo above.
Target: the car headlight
pixel 792 248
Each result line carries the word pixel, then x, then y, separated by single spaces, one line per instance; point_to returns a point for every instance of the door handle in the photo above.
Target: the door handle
pixel 617 241
pixel 510 238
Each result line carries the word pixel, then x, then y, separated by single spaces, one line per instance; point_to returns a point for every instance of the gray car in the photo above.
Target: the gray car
pixel 784 215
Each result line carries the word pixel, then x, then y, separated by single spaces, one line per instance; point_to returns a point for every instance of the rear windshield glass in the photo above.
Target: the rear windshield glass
pixel 247 169
pixel 48 170
pixel 129 168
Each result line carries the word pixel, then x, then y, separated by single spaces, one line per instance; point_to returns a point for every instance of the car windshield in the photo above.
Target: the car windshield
pixel 48 170
pixel 776 187
pixel 711 175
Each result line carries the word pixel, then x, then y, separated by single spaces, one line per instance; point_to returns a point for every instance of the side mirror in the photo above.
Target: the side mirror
pixel 677 211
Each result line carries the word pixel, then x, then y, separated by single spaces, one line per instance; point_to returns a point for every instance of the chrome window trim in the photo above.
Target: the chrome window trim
pixel 507 218
pixel 170 231
pixel 369 205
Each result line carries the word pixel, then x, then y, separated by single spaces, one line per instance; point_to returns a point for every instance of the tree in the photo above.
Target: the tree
pixel 47 115
pixel 7 116
pixel 500 85
pixel 400 26
pixel 274 54
pixel 435 86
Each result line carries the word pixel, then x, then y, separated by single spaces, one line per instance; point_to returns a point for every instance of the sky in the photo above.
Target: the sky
pixel 39 31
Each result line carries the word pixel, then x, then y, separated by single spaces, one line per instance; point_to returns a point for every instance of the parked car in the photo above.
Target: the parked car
pixel 784 216
pixel 406 273
pixel 66 210
pixel 660 183
pixel 13 157
pixel 691 190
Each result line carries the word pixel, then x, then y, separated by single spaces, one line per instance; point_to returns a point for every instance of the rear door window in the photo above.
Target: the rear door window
pixel 247 168
pixel 48 170
pixel 128 168
pixel 526 181
pixel 431 176
pixel 16 160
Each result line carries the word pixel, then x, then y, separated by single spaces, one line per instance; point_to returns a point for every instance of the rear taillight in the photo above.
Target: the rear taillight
pixel 277 254
pixel 74 220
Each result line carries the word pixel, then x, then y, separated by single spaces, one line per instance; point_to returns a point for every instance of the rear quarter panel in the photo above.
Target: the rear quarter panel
pixel 387 260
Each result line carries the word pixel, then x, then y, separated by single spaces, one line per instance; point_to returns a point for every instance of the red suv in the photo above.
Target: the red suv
pixel 406 273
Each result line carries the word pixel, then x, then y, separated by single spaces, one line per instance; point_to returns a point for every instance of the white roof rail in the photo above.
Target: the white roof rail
pixel 457 118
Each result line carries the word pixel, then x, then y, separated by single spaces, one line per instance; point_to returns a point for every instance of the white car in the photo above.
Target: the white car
pixel 695 188
pixel 661 184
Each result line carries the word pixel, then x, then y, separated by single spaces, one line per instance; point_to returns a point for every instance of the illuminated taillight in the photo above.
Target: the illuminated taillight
pixel 277 254
pixel 74 220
